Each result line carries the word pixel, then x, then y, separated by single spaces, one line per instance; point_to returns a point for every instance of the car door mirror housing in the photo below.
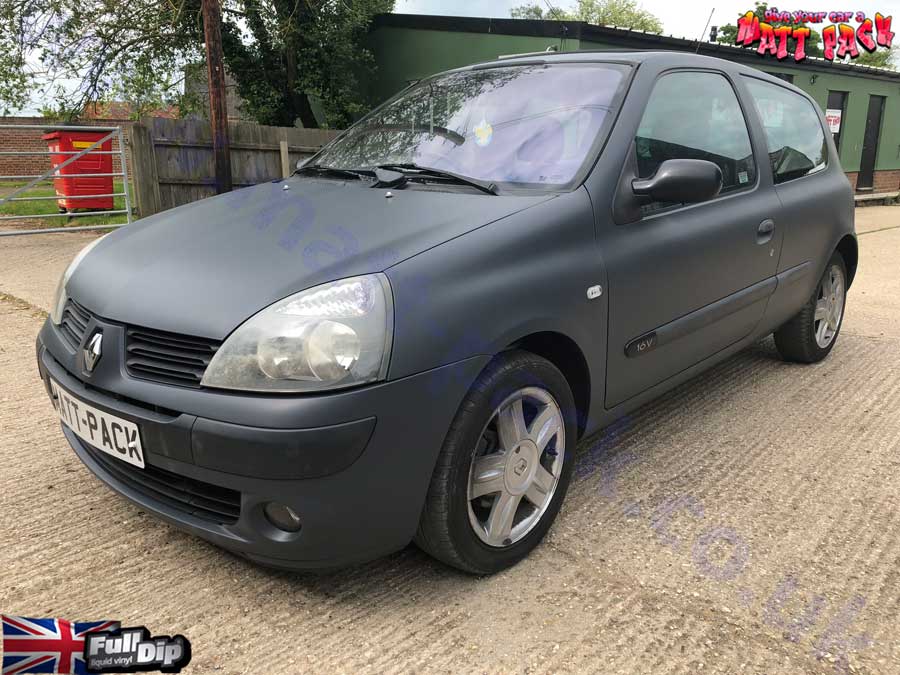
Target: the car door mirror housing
pixel 681 180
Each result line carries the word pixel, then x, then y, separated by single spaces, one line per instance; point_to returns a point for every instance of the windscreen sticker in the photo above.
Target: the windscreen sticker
pixel 483 133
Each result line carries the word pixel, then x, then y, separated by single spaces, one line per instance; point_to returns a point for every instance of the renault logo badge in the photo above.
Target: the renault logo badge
pixel 92 352
pixel 520 467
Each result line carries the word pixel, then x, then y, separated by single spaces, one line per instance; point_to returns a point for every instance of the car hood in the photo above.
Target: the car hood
pixel 203 268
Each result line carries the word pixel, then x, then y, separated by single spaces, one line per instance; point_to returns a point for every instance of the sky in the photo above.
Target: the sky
pixel 681 19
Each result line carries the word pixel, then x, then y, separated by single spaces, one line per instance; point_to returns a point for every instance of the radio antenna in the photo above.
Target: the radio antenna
pixel 554 11
pixel 700 39
pixel 559 17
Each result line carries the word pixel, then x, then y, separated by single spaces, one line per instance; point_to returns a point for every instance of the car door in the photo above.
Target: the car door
pixel 688 280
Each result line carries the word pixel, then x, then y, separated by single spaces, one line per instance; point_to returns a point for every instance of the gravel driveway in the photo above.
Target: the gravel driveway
pixel 747 522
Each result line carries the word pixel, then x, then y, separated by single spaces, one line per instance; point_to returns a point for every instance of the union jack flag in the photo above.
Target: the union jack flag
pixel 47 645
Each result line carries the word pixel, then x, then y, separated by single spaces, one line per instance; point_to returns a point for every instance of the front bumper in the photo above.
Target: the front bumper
pixel 355 465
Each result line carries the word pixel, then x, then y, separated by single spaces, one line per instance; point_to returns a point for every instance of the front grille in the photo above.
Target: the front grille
pixel 169 358
pixel 74 322
pixel 188 495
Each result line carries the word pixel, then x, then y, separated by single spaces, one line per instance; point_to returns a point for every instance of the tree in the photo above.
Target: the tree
pixel 94 44
pixel 533 11
pixel 280 53
pixel 729 32
pixel 880 58
pixel 301 48
pixel 624 13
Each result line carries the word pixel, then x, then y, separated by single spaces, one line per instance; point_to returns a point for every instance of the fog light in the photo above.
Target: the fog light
pixel 282 517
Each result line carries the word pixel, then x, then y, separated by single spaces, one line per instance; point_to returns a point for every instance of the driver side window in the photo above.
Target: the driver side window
pixel 695 115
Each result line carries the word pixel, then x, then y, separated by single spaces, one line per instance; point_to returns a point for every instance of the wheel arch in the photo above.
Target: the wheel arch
pixel 564 353
pixel 849 250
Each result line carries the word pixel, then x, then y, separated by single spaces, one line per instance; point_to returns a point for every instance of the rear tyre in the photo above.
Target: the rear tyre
pixel 504 468
pixel 811 334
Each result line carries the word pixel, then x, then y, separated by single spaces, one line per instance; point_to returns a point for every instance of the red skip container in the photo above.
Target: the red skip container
pixel 76 192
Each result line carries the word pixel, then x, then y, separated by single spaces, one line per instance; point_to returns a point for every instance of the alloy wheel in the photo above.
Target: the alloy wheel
pixel 829 306
pixel 516 467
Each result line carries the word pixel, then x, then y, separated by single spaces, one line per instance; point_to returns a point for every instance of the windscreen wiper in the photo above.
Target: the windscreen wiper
pixel 321 170
pixel 449 176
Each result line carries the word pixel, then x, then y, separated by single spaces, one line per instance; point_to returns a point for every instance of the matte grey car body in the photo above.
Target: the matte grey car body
pixel 625 304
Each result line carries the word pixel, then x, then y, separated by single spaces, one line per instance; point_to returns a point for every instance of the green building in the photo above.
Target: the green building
pixel 866 128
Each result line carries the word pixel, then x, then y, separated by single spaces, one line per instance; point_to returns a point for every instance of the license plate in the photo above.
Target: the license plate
pixel 113 435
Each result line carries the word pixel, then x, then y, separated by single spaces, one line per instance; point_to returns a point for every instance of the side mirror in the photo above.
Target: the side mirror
pixel 681 180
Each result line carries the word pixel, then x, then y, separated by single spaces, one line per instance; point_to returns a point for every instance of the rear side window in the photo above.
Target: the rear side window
pixel 793 131
pixel 695 115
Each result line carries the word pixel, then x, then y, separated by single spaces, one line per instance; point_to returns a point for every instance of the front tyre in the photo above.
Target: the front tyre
pixel 504 467
pixel 811 334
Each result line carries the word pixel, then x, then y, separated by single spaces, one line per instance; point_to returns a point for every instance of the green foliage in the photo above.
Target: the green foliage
pixel 532 11
pixel 70 52
pixel 14 78
pixel 880 58
pixel 279 52
pixel 48 207
pixel 729 32
pixel 623 13
pixel 296 49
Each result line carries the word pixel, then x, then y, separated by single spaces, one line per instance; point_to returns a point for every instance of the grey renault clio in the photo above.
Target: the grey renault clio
pixel 405 340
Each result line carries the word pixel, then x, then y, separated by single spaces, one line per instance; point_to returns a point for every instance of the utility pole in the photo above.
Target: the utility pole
pixel 218 110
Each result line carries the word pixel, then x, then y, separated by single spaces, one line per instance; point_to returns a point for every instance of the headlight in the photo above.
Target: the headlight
pixel 328 337
pixel 60 296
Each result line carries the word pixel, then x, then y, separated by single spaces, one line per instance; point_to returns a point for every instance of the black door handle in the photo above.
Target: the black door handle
pixel 765 231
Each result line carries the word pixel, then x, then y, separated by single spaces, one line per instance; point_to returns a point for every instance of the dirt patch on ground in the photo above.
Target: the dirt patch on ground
pixel 747 522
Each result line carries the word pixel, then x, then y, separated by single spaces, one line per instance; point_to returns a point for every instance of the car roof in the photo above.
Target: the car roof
pixel 605 55
pixel 662 58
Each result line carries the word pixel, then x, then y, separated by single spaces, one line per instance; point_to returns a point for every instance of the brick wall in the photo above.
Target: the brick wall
pixel 30 140
pixel 884 181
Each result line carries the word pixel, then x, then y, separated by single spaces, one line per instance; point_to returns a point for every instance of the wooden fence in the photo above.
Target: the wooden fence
pixel 173 159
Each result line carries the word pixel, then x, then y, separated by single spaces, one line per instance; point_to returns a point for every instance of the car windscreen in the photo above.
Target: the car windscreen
pixel 528 125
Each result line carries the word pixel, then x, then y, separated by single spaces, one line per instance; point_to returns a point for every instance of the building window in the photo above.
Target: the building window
pixel 835 110
pixel 787 77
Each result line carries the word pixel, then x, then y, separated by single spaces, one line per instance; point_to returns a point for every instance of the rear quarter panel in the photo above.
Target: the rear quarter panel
pixel 816 211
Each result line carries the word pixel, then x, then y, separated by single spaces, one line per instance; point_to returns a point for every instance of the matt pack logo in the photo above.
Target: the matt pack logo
pixel 781 33
pixel 83 647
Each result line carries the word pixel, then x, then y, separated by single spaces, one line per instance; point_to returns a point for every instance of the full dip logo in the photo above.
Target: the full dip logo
pixel 80 647
pixel 131 650
pixel 772 31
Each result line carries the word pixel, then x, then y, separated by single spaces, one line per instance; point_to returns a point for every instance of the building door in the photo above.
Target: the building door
pixel 866 178
pixel 835 110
